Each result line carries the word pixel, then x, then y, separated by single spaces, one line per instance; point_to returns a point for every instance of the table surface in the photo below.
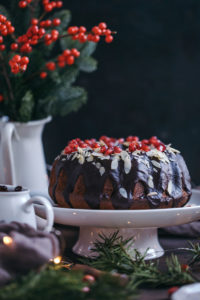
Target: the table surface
pixel 168 243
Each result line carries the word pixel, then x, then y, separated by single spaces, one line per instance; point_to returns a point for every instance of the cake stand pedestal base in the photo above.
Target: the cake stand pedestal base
pixel 143 239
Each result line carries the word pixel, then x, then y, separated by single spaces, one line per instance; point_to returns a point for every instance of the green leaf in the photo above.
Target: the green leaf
pixel 26 107
pixel 87 64
pixel 67 76
pixel 74 99
pixel 68 43
pixel 88 49
pixel 65 17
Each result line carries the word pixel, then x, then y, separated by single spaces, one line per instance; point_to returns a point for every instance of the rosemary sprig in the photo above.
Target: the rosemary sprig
pixel 113 256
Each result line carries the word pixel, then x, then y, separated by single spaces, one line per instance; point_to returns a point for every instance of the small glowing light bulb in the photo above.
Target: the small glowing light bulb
pixel 7 240
pixel 57 260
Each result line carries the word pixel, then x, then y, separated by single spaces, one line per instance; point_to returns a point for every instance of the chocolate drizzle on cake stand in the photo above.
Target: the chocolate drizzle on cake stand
pixel 140 224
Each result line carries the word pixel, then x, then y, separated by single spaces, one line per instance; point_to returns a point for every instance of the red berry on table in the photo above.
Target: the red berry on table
pixel 184 267
pixel 102 25
pixel 1 98
pixel 56 22
pixel 51 66
pixel 22 4
pixel 14 46
pixel 172 290
pixel 2 47
pixel 109 38
pixel 89 278
pixel 70 60
pixel 1 39
pixel 43 75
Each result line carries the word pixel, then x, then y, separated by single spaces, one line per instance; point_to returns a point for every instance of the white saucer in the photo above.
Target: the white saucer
pixel 142 224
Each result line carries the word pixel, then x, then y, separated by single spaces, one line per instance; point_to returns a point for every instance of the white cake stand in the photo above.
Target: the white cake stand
pixel 140 224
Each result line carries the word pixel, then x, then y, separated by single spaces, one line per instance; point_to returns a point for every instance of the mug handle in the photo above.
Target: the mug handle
pixel 48 210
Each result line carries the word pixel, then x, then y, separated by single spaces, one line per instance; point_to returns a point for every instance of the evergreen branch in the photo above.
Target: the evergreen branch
pixel 113 255
pixel 58 283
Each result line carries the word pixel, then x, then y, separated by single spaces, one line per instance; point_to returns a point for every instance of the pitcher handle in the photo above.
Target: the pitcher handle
pixel 7 153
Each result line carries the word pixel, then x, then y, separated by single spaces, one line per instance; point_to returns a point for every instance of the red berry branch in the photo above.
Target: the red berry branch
pixel 43 30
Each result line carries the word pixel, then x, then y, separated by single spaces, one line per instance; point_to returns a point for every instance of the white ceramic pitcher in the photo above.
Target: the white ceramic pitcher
pixel 22 160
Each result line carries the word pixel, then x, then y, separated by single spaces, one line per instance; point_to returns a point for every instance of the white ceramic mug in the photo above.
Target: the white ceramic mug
pixel 18 206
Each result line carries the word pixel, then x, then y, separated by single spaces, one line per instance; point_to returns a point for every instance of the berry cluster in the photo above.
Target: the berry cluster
pixel 92 144
pixel 18 63
pixel 23 4
pixel 66 58
pixel 145 145
pixel 37 33
pixel 1 98
pixel 31 37
pixel 50 5
pixel 6 28
pixel 80 33
pixel 109 145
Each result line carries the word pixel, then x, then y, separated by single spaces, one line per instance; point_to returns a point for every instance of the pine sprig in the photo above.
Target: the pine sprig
pixel 57 283
pixel 113 256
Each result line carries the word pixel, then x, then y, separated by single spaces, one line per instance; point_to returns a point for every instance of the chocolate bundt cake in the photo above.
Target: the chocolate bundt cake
pixel 119 174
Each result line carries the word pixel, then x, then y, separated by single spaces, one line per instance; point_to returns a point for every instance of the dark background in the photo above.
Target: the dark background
pixel 148 80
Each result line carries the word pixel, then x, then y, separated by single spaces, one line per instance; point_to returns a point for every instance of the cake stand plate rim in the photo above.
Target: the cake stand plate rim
pixel 153 218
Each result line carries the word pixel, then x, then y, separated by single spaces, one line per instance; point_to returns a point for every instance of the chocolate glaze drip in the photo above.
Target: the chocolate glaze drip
pixel 167 186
